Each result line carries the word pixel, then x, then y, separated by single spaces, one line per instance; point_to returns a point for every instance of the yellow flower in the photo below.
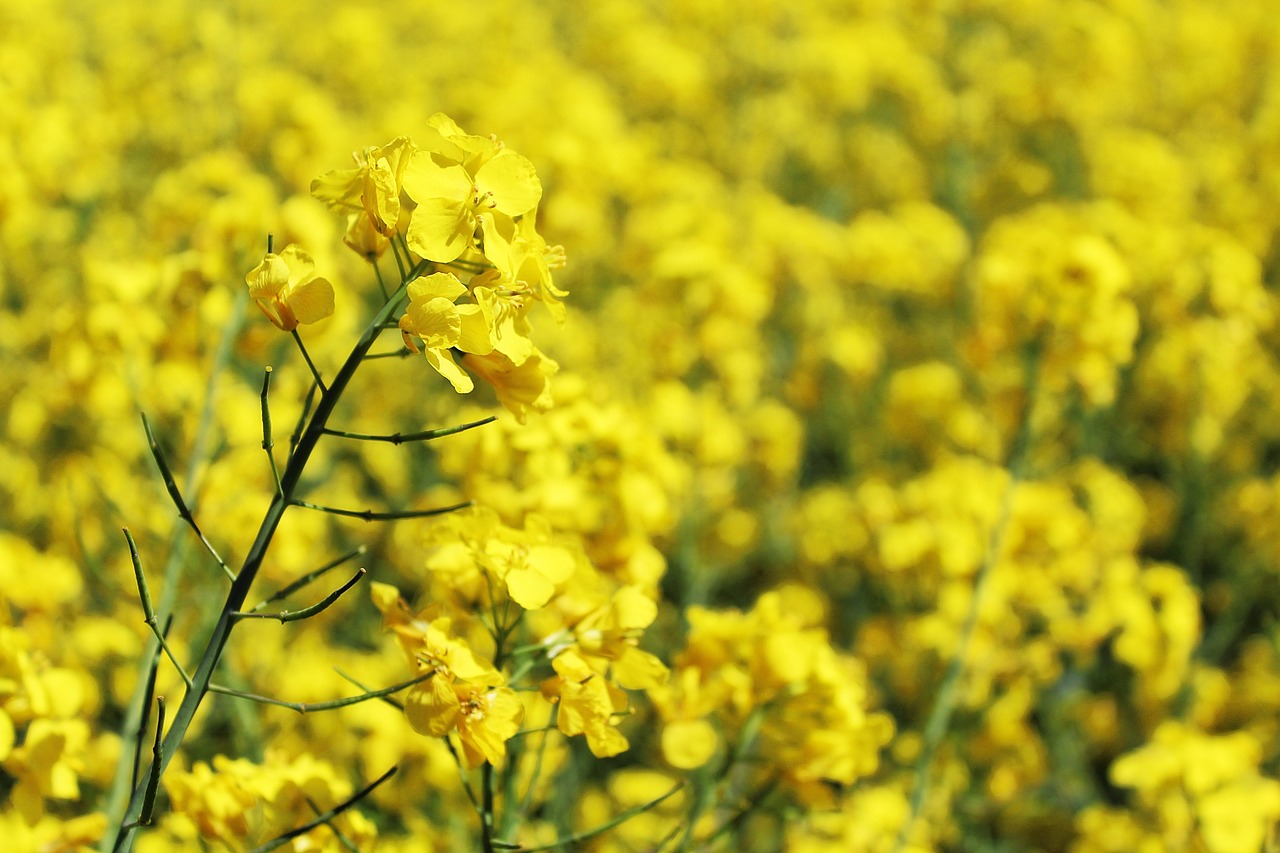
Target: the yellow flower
pixel 372 188
pixel 613 634
pixel 520 387
pixel 589 704
pixel 484 712
pixel 462 184
pixel 288 291
pixel 47 765
pixel 463 694
pixel 525 261
pixel 433 318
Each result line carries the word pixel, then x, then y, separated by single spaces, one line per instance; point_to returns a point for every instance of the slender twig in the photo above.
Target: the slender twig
pixel 148 695
pixel 462 774
pixel 377 273
pixel 486 811
pixel 403 352
pixel 751 803
pixel 403 437
pixel 148 610
pixel 176 496
pixel 370 515
pixel 400 262
pixel 281 840
pixel 153 780
pixel 337 833
pixel 306 612
pixel 296 436
pixel 153 777
pixel 297 339
pixel 527 802
pixel 293 587
pixel 310 707
pixel 268 442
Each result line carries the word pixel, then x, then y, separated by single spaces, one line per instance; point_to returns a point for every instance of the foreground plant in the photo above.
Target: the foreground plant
pixel 456 212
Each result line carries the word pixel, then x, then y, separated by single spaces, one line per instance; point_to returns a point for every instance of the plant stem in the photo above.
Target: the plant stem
pixel 243 582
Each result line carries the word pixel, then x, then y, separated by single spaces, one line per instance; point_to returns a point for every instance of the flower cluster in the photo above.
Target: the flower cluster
pixel 468 205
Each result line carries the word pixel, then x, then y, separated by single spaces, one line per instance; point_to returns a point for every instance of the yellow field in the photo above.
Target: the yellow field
pixel 886 454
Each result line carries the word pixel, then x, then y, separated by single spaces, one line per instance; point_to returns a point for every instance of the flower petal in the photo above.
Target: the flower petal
pixel 440 230
pixel 512 180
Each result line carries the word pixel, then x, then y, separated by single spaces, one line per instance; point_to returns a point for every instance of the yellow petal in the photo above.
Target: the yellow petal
pixel 529 589
pixel 382 196
pixel 638 670
pixel 512 180
pixel 436 321
pixel 385 596
pixel 311 301
pixel 444 364
pixel 424 179
pixel 339 188
pixel 268 278
pixel 439 285
pixel 555 564
pixel 476 336
pixel 440 230
pixel 631 608
pixel 432 707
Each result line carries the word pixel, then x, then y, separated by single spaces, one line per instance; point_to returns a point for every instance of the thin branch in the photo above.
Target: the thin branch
pixel 403 352
pixel 148 610
pixel 752 801
pixel 176 496
pixel 153 778
pixel 302 418
pixel 370 515
pixel 307 357
pixel 148 694
pixel 306 612
pixel 404 437
pixel 377 273
pixel 268 442
pixel 310 707
pixel 310 434
pixel 307 578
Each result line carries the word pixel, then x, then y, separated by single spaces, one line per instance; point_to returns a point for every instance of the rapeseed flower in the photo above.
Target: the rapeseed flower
pixel 288 290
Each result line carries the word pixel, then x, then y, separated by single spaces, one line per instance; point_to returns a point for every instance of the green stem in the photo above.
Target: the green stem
pixel 403 437
pixel 243 582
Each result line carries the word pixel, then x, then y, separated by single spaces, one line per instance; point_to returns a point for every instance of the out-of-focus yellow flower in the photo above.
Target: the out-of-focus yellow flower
pixel 239 802
pixel 288 291
pixel 613 634
pixel 47 765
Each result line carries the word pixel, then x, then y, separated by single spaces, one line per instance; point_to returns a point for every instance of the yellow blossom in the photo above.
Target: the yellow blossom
pixel 463 185
pixel 433 318
pixel 287 289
